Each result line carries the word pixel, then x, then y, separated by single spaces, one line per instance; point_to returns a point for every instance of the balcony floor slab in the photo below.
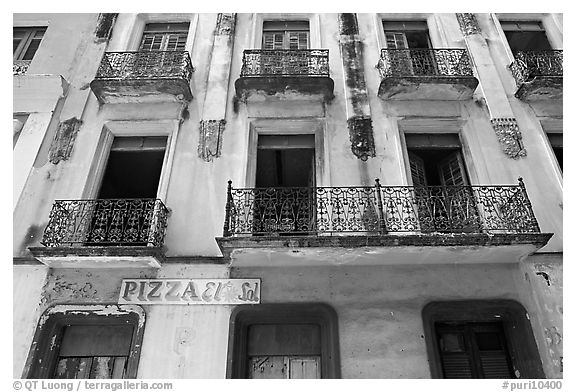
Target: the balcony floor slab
pixel 435 88
pixel 389 249
pixel 100 256
pixel 141 90
pixel 541 88
pixel 286 87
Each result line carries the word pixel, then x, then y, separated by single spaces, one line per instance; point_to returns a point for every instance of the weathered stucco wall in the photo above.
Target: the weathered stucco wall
pixel 179 341
pixel 380 308
pixel 27 285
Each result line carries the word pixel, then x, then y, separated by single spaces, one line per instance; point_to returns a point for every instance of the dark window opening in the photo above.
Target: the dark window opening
pixel 133 168
pixel 25 42
pixel 436 160
pixel 473 350
pixel 165 36
pixel 285 35
pixel 442 199
pixel 406 35
pixel 285 164
pixel 525 35
pixel 556 141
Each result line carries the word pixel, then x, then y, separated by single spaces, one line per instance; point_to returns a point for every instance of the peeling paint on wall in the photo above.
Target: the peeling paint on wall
pixel 104 27
pixel 61 147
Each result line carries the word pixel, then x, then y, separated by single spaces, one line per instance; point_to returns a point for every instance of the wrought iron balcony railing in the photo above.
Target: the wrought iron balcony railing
pixel 379 210
pixel 528 65
pixel 145 65
pixel 20 67
pixel 301 62
pixel 424 62
pixel 106 222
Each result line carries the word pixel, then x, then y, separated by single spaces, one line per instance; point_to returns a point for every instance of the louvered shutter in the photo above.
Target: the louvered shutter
pixel 456 361
pixel 164 37
pixel 492 352
pixel 417 170
pixel 451 170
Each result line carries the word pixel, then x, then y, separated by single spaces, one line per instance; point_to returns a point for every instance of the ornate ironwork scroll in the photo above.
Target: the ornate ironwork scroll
pixel 210 141
pixel 63 142
pixel 361 137
pixel 530 64
pixel 145 65
pixel 20 67
pixel 509 136
pixel 225 24
pixel 379 209
pixel 424 62
pixel 468 24
pixel 106 222
pixel 297 62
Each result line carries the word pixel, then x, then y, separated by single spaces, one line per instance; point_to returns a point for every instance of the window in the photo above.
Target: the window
pixel 406 34
pixel 284 341
pixel 133 168
pixel 26 41
pixel 525 35
pixel 556 142
pixel 473 350
pixel 90 343
pixel 165 37
pixel 284 351
pixel 480 339
pixel 285 35
pixel 285 163
pixel 436 159
pixel 442 200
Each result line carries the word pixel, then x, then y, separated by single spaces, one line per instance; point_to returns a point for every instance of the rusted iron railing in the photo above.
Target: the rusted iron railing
pixel 379 210
pixel 106 222
pixel 424 62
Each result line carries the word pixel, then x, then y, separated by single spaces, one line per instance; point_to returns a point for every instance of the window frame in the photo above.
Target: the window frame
pixel 25 44
pixel 516 325
pixel 287 127
pixel 111 129
pixel 284 313
pixel 43 355
pixel 314 36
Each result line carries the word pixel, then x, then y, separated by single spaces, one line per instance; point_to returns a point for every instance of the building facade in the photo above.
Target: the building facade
pixel 287 196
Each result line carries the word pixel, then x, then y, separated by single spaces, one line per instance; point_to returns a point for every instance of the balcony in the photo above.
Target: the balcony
pixel 391 220
pixel 137 77
pixel 426 74
pixel 294 73
pixel 104 233
pixel 538 74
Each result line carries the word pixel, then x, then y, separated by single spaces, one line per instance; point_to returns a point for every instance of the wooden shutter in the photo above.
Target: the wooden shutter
pixel 451 170
pixel 417 170
pixel 473 350
pixel 94 351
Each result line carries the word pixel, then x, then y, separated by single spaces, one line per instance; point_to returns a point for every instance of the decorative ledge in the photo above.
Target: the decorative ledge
pixel 100 256
pixel 387 249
